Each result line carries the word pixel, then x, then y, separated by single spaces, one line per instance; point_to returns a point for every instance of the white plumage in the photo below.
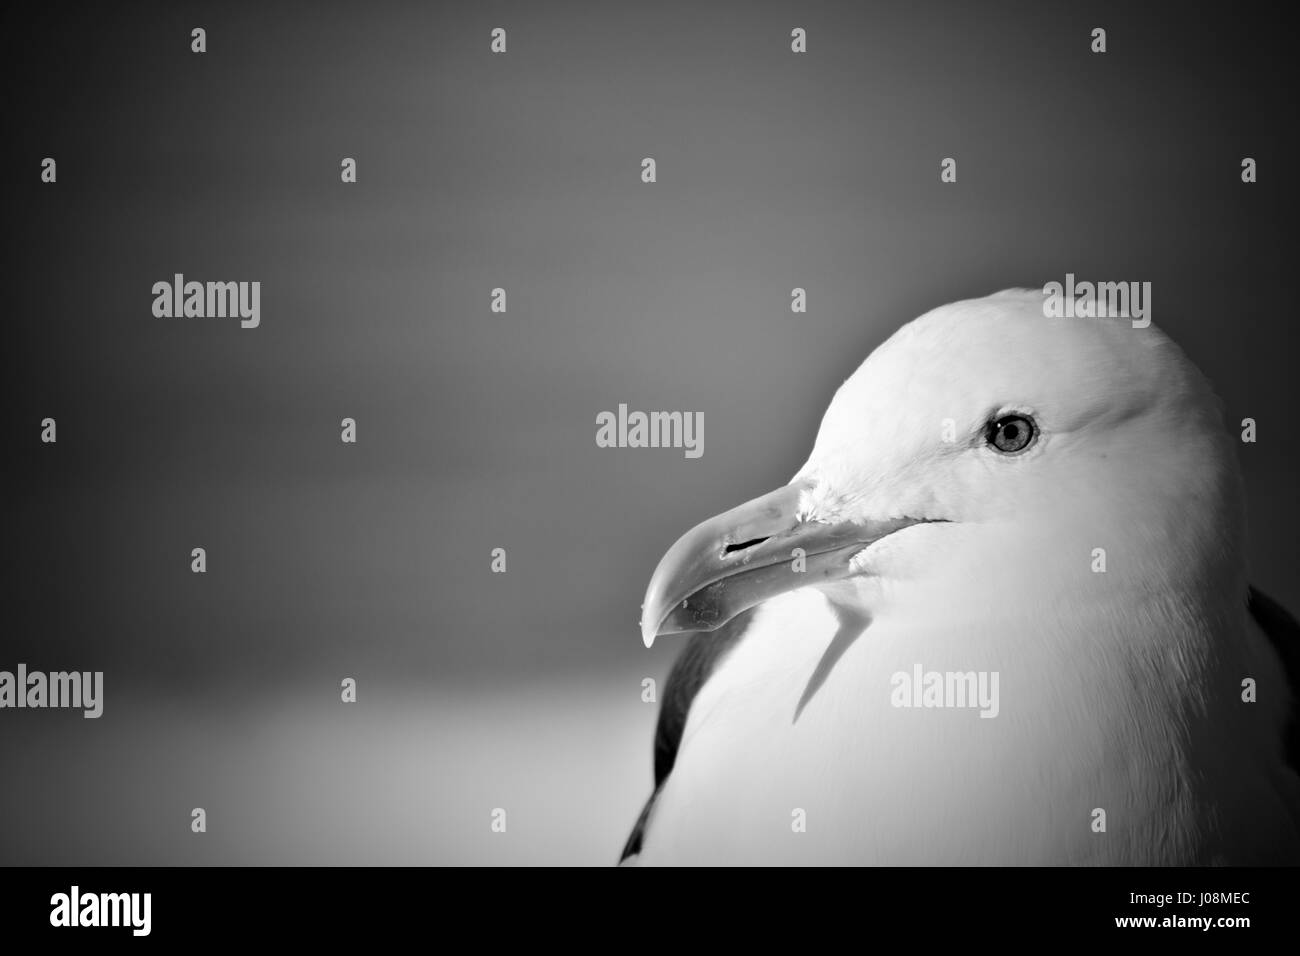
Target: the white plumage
pixel 1120 690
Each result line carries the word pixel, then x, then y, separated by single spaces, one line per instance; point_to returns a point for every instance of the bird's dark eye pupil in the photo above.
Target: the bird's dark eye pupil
pixel 1011 433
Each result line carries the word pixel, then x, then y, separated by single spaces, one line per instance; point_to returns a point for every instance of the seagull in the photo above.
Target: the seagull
pixel 1046 507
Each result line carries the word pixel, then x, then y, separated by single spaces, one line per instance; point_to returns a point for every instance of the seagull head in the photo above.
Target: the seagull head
pixel 984 440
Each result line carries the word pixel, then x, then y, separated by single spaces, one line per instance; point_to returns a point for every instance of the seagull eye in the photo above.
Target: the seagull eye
pixel 1011 434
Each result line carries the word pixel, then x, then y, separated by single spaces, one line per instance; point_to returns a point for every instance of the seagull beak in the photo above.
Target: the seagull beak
pixel 744 556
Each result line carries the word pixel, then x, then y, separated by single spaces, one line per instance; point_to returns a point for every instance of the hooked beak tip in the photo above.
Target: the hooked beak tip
pixel 753 552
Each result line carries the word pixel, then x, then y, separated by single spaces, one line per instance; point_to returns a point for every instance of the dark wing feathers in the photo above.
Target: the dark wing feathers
pixel 689 673
pixel 1284 634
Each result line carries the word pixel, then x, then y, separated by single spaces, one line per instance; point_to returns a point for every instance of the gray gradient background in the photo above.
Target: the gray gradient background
pixel 477 430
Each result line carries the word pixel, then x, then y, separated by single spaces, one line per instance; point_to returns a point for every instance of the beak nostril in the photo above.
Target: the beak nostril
pixel 733 548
